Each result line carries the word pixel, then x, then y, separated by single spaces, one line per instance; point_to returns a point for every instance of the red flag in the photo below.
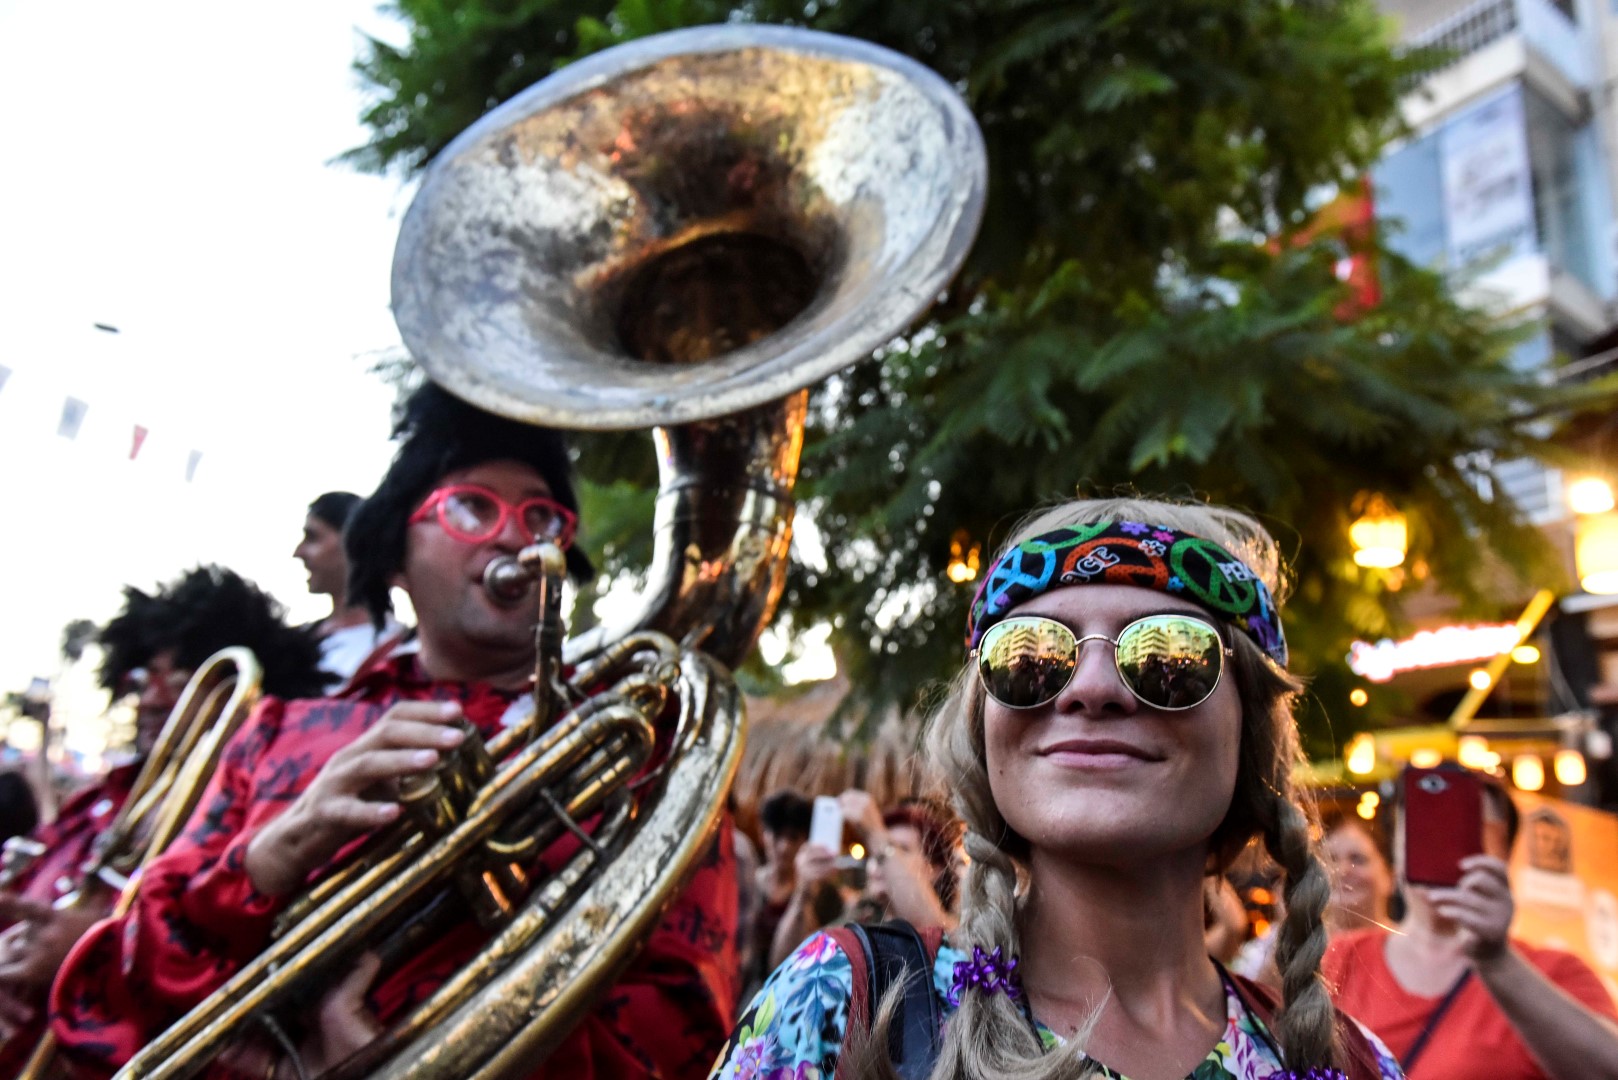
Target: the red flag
pixel 140 437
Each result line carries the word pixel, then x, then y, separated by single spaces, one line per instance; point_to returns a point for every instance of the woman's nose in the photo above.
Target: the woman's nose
pixel 1096 688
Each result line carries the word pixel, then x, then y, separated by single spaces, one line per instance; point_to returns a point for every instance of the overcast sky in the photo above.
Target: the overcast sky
pixel 166 173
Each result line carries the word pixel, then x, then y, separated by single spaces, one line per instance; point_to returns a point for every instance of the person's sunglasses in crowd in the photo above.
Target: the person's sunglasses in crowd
pixel 1169 662
pixel 474 514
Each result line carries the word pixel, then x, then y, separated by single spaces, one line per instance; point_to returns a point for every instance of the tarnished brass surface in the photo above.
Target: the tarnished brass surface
pixel 531 227
pixel 516 1020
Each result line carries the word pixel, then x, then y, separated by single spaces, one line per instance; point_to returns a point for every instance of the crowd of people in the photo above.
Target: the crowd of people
pixel 1117 748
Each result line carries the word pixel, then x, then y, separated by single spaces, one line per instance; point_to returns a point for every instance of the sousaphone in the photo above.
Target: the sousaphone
pixel 681 233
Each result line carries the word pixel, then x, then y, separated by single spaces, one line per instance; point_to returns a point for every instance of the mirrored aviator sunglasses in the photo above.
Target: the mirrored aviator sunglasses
pixel 1170 662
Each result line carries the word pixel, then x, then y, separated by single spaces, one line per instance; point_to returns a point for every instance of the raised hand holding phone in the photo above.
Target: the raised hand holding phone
pixel 826 824
pixel 1443 824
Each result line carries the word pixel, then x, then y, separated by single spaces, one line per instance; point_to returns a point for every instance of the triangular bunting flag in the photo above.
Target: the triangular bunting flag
pixel 140 437
pixel 73 411
pixel 191 465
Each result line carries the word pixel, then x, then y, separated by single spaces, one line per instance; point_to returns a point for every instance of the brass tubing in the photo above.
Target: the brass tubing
pixel 186 1047
pixel 381 846
pixel 598 667
pixel 322 891
pixel 559 891
pixel 546 744
pixel 200 732
pixel 517 1019
pixel 157 1058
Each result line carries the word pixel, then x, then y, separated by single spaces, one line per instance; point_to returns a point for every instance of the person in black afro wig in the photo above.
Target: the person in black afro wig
pixel 441 434
pixel 201 612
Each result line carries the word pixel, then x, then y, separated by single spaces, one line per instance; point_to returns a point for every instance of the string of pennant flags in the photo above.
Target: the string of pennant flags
pixel 74 411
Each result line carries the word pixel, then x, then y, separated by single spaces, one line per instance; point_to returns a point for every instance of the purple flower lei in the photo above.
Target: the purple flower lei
pixel 1316 1073
pixel 987 973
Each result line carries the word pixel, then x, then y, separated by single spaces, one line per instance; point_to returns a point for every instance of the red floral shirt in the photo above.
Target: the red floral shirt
pixel 198 918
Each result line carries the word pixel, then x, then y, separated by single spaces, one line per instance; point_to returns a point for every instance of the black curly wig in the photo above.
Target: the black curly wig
pixel 201 612
pixel 441 434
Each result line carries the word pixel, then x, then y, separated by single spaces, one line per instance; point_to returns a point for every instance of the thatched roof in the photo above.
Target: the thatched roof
pixel 789 745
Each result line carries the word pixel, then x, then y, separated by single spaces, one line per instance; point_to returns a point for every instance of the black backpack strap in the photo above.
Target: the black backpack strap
pixel 899 955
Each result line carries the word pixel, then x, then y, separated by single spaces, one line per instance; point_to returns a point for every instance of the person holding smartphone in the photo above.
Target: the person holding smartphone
pixel 909 869
pixel 1448 990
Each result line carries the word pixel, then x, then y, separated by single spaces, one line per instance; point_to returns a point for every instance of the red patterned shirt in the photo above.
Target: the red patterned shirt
pixel 68 842
pixel 69 839
pixel 198 918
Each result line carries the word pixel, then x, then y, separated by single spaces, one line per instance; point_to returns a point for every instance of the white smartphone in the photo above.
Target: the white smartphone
pixel 826 826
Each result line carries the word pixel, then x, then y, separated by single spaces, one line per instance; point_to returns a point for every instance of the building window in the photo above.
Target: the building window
pixel 1502 178
pixel 1558 192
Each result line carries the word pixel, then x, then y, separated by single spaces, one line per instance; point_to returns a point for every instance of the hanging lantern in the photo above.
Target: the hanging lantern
pixel 1589 495
pixel 1473 752
pixel 1361 756
pixel 1380 534
pixel 1595 552
pixel 964 554
pixel 1528 772
pixel 1426 757
pixel 1570 768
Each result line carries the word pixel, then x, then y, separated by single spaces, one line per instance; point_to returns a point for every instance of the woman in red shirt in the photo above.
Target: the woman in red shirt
pixel 1455 998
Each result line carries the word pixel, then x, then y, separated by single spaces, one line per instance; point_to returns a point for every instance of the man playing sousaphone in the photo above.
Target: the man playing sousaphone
pixel 304 780
pixel 150 650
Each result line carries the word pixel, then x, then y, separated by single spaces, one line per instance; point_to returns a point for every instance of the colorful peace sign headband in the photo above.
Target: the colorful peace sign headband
pixel 1131 553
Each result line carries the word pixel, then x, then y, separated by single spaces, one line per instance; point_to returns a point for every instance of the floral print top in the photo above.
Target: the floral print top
pixel 793 1030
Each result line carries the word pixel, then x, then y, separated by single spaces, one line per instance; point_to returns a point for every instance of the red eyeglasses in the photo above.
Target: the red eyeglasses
pixel 474 514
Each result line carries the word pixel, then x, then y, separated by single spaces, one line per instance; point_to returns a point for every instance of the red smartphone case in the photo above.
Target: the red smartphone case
pixel 1443 824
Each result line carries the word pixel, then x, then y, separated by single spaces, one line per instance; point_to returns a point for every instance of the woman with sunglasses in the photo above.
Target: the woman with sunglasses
pixel 1121 730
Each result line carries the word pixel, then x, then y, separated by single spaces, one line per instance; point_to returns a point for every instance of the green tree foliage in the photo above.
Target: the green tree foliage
pixel 1141 310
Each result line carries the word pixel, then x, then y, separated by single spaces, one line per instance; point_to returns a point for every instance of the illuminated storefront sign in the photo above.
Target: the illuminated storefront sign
pixel 1430 648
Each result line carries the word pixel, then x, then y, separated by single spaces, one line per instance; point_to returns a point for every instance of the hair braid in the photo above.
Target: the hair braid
pixel 1306 1027
pixel 989 1036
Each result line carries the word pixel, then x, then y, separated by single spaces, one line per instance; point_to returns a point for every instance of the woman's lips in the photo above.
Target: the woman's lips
pixel 1097 754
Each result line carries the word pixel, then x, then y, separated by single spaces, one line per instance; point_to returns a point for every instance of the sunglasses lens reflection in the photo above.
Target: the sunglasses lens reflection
pixel 1169 661
pixel 1026 662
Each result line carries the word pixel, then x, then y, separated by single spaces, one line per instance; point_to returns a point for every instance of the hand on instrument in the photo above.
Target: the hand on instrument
pixel 342 1023
pixel 339 1025
pixel 354 793
pixel 32 952
pixel 14 908
pixel 15 1014
pixel 1480 905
